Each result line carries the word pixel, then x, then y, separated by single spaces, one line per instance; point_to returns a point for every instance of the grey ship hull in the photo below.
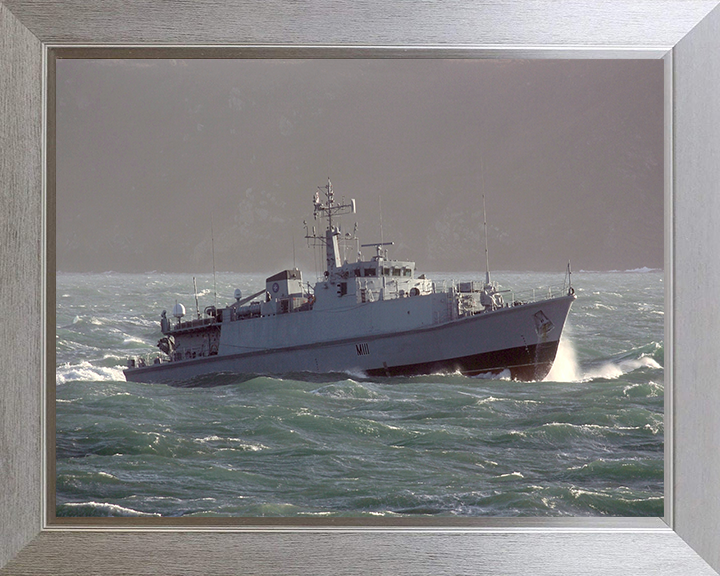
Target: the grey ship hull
pixel 491 342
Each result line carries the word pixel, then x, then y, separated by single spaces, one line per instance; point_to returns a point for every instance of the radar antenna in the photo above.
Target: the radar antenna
pixel 329 207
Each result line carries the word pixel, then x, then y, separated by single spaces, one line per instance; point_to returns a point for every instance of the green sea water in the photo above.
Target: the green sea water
pixel 587 441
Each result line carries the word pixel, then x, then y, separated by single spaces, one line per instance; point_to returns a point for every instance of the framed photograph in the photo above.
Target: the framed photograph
pixel 464 543
pixel 363 383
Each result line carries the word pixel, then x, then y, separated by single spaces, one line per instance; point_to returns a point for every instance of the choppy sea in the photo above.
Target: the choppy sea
pixel 587 441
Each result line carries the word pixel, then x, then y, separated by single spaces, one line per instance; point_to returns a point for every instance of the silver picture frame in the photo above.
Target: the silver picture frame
pixel 685 33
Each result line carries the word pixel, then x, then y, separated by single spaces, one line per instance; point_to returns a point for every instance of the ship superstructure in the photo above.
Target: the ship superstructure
pixel 373 316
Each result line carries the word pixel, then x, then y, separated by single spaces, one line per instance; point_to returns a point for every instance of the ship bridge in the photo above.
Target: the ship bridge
pixel 378 267
pixel 349 283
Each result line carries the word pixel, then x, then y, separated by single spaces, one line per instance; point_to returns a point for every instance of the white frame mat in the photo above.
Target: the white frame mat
pixel 685 33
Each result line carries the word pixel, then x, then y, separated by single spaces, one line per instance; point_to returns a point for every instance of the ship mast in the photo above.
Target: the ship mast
pixel 487 257
pixel 328 208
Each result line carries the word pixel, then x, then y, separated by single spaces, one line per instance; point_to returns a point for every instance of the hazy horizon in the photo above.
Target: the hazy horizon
pixel 157 160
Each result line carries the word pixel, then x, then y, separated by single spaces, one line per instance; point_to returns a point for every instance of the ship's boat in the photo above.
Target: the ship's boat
pixel 374 316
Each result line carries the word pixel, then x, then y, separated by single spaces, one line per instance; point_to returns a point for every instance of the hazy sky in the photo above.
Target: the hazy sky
pixel 153 155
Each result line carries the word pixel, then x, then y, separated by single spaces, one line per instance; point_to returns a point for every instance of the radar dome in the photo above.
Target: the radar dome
pixel 238 294
pixel 178 310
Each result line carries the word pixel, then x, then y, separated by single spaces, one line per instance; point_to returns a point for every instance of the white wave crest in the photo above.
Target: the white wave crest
pixel 650 389
pixel 504 375
pixel 86 372
pixel 644 270
pixel 511 475
pixel 242 445
pixel 110 509
pixel 613 370
pixel 567 369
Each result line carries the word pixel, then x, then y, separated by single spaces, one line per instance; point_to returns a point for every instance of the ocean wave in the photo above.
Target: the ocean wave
pixel 86 372
pixel 567 431
pixel 511 475
pixel 613 370
pixel 601 306
pixel 347 444
pixel 220 443
pixel 617 470
pixel 346 389
pixel 487 400
pixel 566 367
pixel 644 270
pixel 98 509
pixel 643 390
pixel 79 321
pixel 504 375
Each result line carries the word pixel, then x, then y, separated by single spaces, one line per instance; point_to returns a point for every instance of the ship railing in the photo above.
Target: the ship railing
pixel 153 358
pixel 194 323
pixel 443 286
pixel 536 294
pixel 454 287
pixel 543 292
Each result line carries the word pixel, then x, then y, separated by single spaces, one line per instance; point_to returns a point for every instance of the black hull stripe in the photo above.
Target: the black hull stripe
pixel 529 363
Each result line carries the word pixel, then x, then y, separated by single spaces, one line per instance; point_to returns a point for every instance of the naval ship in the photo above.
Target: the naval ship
pixel 375 317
